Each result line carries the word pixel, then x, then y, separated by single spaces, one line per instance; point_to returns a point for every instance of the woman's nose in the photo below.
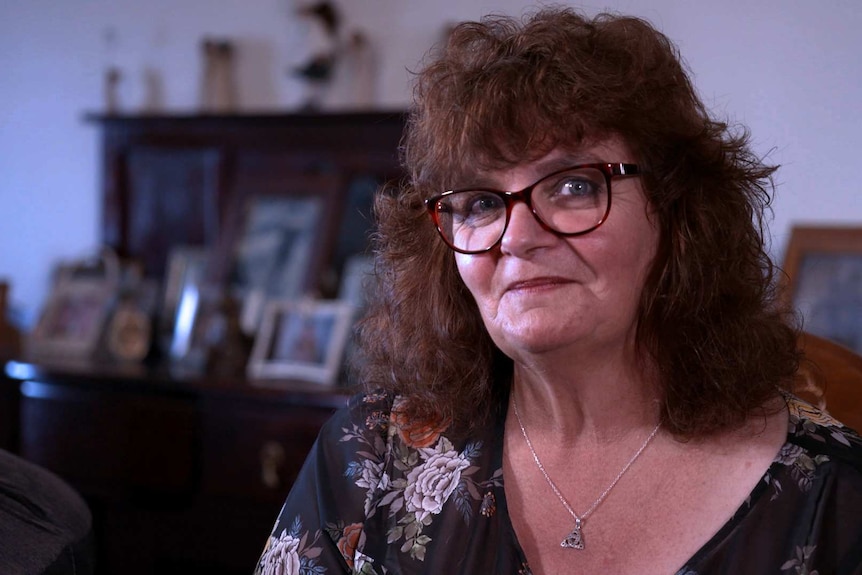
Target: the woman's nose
pixel 524 232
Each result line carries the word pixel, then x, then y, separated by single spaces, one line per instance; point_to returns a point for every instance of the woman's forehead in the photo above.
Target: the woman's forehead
pixel 610 148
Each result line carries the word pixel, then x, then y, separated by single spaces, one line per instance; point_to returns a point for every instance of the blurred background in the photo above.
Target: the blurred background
pixel 789 69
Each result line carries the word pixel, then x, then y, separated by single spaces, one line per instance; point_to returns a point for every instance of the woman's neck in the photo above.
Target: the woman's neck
pixel 580 400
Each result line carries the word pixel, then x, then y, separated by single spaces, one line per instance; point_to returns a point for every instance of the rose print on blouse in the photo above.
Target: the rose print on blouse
pixel 809 422
pixel 416 434
pixel 291 553
pixel 413 474
pixel 805 419
pixel 802 467
pixel 801 562
pixel 430 484
pixel 351 539
pixel 350 542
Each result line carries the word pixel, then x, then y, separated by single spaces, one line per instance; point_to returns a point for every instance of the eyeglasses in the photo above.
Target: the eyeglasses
pixel 570 202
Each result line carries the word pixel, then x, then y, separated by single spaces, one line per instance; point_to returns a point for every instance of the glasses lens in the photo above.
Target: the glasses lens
pixel 568 202
pixel 471 220
pixel 573 201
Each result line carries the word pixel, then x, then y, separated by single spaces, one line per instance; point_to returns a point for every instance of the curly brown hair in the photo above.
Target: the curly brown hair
pixel 503 91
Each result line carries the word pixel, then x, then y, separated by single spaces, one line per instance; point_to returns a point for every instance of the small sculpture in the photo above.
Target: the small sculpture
pixel 361 69
pixel 112 90
pixel 113 76
pixel 218 90
pixel 153 100
pixel 318 70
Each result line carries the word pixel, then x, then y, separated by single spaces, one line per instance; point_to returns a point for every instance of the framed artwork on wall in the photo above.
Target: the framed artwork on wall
pixel 823 267
pixel 301 340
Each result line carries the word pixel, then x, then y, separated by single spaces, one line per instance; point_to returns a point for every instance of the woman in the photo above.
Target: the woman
pixel 578 361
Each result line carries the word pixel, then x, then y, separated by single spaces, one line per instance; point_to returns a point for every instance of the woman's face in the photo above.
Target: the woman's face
pixel 539 292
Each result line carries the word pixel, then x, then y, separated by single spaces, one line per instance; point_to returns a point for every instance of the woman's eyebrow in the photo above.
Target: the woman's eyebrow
pixel 569 160
pixel 490 178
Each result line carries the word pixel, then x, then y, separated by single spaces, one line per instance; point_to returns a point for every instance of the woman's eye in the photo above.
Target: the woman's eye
pixel 578 187
pixel 482 204
pixel 472 204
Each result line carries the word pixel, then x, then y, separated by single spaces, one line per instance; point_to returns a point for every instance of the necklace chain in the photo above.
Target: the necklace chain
pixel 575 539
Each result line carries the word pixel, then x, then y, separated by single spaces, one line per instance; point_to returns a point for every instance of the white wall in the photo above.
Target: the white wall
pixel 789 69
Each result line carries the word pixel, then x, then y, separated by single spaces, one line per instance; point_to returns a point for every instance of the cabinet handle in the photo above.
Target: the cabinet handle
pixel 271 461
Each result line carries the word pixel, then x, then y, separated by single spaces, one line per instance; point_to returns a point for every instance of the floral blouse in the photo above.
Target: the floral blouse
pixel 381 495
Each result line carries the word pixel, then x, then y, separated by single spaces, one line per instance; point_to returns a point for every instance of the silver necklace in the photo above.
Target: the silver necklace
pixel 575 539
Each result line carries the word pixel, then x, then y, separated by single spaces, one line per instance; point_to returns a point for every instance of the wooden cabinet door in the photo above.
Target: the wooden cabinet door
pixel 172 199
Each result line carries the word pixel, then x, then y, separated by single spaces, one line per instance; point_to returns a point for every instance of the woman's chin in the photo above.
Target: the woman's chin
pixel 534 341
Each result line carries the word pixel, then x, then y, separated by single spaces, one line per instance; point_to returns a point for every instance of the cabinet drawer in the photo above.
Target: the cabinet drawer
pixel 256 452
pixel 106 441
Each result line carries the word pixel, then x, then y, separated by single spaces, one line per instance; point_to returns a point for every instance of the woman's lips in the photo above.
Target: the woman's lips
pixel 535 284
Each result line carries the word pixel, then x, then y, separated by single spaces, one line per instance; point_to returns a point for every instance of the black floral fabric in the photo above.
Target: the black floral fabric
pixel 382 495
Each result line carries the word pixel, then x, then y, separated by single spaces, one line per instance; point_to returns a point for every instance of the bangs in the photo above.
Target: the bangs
pixel 500 97
pixel 506 118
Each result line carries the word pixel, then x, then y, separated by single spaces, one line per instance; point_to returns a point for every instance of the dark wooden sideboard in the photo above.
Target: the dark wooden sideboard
pixel 183 474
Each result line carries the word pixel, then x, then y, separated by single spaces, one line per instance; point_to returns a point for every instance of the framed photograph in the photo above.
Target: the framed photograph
pixel 129 332
pixel 355 280
pixel 356 223
pixel 71 324
pixel 194 294
pixel 823 266
pixel 301 340
pixel 185 273
pixel 278 243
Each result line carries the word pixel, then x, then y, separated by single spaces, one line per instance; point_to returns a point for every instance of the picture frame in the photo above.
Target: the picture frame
pixel 130 327
pixel 823 281
pixel 277 243
pixel 185 274
pixel 72 322
pixel 301 340
pixel 356 280
pixel 356 223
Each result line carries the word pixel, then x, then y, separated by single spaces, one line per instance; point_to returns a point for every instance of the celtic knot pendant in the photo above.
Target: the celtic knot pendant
pixel 574 540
